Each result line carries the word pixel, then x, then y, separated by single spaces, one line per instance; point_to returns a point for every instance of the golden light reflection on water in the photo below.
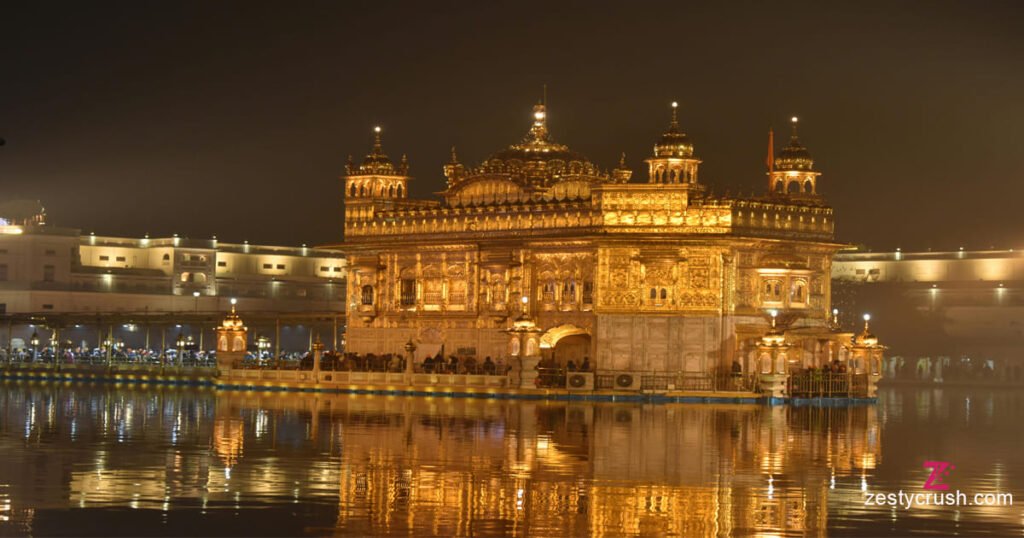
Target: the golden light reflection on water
pixel 357 465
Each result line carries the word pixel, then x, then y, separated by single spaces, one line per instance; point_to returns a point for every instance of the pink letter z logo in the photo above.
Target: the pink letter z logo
pixel 940 469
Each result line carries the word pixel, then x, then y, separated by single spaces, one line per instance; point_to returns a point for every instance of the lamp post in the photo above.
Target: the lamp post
pixel 55 346
pixel 34 342
pixel 195 295
pixel 108 349
pixel 180 342
pixel 263 345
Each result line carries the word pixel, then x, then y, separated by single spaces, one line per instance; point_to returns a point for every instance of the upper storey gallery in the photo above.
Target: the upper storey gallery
pixel 539 186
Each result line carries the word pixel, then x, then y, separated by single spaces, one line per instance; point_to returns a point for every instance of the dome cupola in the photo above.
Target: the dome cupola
pixel 791 172
pixel 673 161
pixel 673 142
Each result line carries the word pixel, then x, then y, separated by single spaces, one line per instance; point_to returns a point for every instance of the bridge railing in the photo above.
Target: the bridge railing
pixel 824 385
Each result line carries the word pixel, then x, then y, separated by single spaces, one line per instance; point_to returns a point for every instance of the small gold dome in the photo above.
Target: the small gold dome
pixel 794 156
pixel 232 321
pixel 674 142
pixel 773 338
pixel 866 339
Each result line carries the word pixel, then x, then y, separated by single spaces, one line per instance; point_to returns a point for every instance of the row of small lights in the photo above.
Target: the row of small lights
pixel 935 287
pixel 145 241
pixel 835 312
pixel 133 326
pixel 1000 288
pixel 961 251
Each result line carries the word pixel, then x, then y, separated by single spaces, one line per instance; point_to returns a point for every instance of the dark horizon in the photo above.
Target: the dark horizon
pixel 208 120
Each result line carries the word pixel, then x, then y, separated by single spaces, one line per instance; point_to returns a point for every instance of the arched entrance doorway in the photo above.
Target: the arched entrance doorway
pixel 565 343
pixel 572 348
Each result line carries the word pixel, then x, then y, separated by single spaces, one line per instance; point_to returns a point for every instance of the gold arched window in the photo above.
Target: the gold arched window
pixel 771 290
pixel 798 293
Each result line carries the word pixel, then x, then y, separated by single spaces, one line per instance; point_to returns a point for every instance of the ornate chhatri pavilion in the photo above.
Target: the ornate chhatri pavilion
pixel 654 276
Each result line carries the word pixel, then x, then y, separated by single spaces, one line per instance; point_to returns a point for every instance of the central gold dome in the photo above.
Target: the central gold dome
pixel 538 160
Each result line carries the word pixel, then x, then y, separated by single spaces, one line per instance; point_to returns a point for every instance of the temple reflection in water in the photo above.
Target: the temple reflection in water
pixel 390 466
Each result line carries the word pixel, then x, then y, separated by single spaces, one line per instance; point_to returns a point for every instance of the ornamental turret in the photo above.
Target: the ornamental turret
pixel 673 161
pixel 791 173
pixel 232 339
pixel 454 170
pixel 866 355
pixel 377 177
pixel 622 173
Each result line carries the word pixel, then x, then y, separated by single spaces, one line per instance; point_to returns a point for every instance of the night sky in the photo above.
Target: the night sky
pixel 235 120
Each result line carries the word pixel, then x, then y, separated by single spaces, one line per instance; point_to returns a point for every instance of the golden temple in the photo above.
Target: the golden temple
pixel 641 278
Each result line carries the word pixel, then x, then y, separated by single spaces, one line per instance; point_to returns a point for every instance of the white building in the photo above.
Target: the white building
pixel 44 269
pixel 952 303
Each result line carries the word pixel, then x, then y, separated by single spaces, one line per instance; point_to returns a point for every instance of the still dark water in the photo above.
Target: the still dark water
pixel 105 460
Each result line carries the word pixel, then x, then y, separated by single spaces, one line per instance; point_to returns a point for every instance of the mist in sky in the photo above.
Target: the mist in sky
pixel 235 120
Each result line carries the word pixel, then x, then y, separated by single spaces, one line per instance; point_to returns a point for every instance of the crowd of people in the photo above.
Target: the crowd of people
pixel 119 354
pixel 834 367
pixel 432 364
pixel 438 364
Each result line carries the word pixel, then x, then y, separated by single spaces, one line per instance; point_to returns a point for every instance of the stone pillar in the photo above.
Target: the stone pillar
pixel 410 358
pixel 529 358
pixel 57 355
pixel 772 366
pixel 317 349
pixel 773 379
pixel 866 350
pixel 525 349
pixel 874 370
pixel 110 347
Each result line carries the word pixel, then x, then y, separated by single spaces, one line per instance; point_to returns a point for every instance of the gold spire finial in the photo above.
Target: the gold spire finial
pixel 455 158
pixel 622 174
pixel 377 147
pixel 539 130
